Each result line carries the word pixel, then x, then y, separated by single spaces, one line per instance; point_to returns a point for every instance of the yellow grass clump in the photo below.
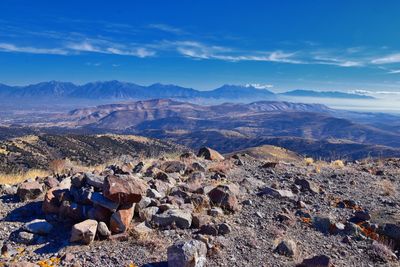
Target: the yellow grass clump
pixel 387 187
pixel 337 164
pixel 15 178
pixel 309 161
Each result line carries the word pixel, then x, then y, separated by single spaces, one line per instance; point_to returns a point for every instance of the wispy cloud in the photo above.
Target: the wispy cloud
pixel 7 47
pixel 166 28
pixel 388 59
pixel 111 48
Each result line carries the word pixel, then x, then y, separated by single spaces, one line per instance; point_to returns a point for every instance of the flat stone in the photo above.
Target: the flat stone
pixel 94 180
pixel 317 261
pixel 276 193
pixel 38 226
pixel 26 238
pixel 182 219
pixel 101 200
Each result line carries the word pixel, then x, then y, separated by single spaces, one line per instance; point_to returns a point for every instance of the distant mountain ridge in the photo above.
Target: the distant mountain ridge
pixel 125 90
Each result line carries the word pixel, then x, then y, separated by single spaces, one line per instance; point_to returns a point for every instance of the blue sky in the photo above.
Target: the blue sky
pixel 321 45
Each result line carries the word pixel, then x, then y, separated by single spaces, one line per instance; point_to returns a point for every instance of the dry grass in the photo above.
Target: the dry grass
pixel 309 161
pixel 387 187
pixel 15 178
pixel 339 164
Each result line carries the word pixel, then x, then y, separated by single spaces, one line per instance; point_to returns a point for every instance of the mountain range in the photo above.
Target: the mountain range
pixel 308 129
pixel 124 90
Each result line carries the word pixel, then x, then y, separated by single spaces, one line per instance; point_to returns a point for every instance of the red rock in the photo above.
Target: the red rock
pixel 222 196
pixel 209 154
pixel 50 203
pixel 124 190
pixel 121 219
pixel 100 214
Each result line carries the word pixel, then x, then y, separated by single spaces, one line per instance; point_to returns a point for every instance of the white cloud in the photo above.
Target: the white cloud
pixel 393 58
pixel 6 47
pixel 166 28
pixel 394 71
pixel 259 86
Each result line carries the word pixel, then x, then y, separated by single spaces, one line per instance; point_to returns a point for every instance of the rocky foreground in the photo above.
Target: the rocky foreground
pixel 206 210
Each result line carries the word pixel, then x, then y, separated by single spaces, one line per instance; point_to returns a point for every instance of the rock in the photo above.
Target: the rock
pixel 215 212
pixel 38 226
pixel 287 248
pixel 99 214
pixel 143 203
pixel 51 182
pixel 138 168
pixel 119 237
pixel 173 166
pixel 142 229
pixel 82 195
pixel 276 193
pixel 124 190
pixel 196 177
pixel 152 193
pixel 268 165
pixel 210 154
pixel 99 199
pixel 197 166
pixel 147 214
pixel 209 229
pixel 187 254
pixel 316 261
pixel 223 196
pixel 50 203
pixel 362 216
pixel 26 238
pixel 78 180
pixel 8 189
pixel 68 258
pixel 187 155
pixel 307 185
pixel 84 232
pixel 180 218
pixel 121 219
pixel 323 224
pixel 390 230
pixel 30 190
pixel 224 229
pixel 102 230
pixel 94 180
pixel 198 220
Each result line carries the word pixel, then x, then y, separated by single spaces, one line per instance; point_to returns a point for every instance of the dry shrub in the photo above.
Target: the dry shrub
pixel 309 161
pixel 15 178
pixel 337 164
pixel 58 166
pixel 387 187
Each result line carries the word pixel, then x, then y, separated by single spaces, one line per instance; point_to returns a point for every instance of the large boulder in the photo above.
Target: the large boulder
pixel 84 232
pixel 209 154
pixel 124 190
pixel 30 190
pixel 121 219
pixel 187 254
pixel 223 196
pixel 99 199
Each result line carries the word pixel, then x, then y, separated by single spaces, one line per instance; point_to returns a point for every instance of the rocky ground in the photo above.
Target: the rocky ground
pixel 207 211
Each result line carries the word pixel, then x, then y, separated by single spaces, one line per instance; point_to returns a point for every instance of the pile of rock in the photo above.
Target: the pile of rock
pixel 163 194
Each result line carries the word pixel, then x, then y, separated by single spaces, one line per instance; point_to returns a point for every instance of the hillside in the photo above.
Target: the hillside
pixel 263 206
pixel 38 151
